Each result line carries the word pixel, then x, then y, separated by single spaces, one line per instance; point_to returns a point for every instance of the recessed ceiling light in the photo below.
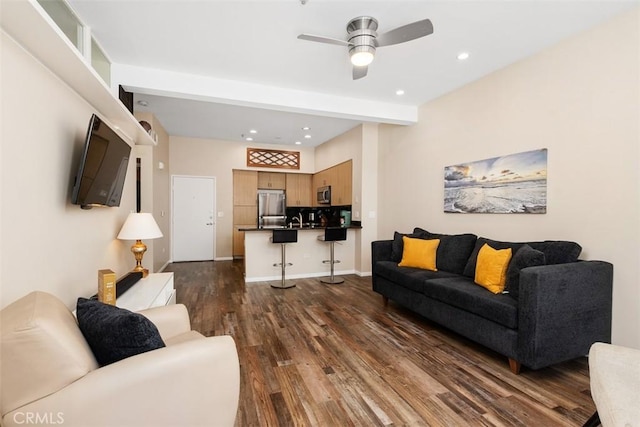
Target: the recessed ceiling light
pixel 248 138
pixel 307 136
pixel 463 55
pixel 143 103
pixel 306 128
pixel 253 131
pixel 298 143
pixel 400 92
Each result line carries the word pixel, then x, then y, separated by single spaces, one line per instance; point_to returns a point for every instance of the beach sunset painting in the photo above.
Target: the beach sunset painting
pixel 516 183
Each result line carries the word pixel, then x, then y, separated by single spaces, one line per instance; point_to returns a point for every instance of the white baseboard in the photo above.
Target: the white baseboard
pixel 298 276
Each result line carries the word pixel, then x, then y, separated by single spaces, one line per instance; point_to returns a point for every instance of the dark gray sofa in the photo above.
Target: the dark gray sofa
pixel 555 308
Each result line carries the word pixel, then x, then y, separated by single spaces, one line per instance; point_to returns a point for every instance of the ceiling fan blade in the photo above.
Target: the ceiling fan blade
pixel 323 39
pixel 359 72
pixel 405 33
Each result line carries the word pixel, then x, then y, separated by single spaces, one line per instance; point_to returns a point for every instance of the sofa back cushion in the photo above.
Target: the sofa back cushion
pixel 558 251
pixel 397 247
pixel 41 350
pixel 454 249
pixel 525 257
pixel 555 251
pixel 470 267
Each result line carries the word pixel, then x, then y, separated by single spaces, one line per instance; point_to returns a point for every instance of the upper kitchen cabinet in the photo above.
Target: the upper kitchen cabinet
pixel 245 188
pixel 322 178
pixel 272 180
pixel 339 178
pixel 299 189
pixel 341 188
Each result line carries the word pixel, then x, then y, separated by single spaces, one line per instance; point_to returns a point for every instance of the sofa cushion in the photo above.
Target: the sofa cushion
pixel 419 253
pixel 41 349
pixel 525 257
pixel 491 268
pixel 463 293
pixel 558 251
pixel 407 277
pixel 470 268
pixel 555 251
pixel 115 333
pixel 398 245
pixel 454 249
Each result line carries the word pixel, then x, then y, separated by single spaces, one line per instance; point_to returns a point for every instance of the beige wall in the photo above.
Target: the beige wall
pixel 360 145
pixel 347 146
pixel 47 243
pixel 156 192
pixel 206 157
pixel 581 100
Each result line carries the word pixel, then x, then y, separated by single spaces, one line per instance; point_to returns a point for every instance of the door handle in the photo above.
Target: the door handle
pixel 209 223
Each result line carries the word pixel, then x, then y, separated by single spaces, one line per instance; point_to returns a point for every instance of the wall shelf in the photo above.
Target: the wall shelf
pixel 30 26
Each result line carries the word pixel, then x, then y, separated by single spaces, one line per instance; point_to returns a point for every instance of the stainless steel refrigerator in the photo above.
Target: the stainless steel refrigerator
pixel 271 209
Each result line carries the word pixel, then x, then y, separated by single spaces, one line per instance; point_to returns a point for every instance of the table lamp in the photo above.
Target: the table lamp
pixel 139 226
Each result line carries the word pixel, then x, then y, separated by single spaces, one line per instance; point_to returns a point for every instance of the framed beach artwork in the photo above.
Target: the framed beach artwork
pixel 516 183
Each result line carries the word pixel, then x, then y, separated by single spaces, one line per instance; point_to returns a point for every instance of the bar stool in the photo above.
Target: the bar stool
pixel 283 236
pixel 333 235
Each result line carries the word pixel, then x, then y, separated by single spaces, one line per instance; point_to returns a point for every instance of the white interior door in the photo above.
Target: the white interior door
pixel 194 206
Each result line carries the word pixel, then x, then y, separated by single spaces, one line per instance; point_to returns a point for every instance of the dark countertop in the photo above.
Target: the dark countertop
pixel 354 227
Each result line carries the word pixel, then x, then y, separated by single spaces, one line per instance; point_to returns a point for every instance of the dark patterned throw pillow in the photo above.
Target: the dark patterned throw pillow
pixel 114 333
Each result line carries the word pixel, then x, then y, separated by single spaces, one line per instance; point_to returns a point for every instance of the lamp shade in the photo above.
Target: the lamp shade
pixel 139 226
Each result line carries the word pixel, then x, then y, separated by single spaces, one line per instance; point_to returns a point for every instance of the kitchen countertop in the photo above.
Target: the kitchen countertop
pixel 351 227
pixel 305 258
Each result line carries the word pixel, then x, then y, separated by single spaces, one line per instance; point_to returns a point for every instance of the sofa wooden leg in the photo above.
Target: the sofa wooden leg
pixel 514 366
pixel 385 301
pixel 594 421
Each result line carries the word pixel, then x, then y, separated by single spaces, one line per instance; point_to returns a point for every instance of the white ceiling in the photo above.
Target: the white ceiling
pixel 239 48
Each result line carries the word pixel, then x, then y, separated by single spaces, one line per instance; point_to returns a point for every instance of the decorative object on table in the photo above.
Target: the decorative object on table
pixel 107 287
pixel 347 218
pixel 516 183
pixel 139 226
pixel 261 157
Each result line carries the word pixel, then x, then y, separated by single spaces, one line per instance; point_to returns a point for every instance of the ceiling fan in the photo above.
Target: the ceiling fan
pixel 362 40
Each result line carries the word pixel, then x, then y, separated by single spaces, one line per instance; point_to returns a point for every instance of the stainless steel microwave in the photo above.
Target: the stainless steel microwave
pixel 324 195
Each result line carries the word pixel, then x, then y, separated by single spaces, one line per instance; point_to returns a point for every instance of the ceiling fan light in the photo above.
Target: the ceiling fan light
pixel 361 58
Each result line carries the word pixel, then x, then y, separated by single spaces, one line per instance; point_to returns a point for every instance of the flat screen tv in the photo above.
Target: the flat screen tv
pixel 102 169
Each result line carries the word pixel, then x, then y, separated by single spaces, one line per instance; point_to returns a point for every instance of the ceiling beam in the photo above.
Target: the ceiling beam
pixel 151 81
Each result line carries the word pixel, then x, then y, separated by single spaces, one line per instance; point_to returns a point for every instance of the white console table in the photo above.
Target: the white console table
pixel 153 291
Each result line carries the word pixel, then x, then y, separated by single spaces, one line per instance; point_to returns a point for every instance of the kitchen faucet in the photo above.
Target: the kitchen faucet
pixel 299 218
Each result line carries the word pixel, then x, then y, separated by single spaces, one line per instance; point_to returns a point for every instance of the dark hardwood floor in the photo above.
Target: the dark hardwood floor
pixel 332 355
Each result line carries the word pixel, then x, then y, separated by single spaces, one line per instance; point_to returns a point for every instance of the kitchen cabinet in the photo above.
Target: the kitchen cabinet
pixel 339 177
pixel 245 215
pixel 322 179
pixel 245 188
pixel 299 189
pixel 245 207
pixel 272 180
pixel 238 239
pixel 341 188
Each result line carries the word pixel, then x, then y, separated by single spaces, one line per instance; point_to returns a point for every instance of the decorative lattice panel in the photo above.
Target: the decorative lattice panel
pixel 260 157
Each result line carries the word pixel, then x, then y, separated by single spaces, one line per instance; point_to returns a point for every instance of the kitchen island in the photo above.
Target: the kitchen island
pixel 306 255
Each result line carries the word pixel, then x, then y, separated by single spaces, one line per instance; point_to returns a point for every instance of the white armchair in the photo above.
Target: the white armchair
pixel 615 385
pixel 49 374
